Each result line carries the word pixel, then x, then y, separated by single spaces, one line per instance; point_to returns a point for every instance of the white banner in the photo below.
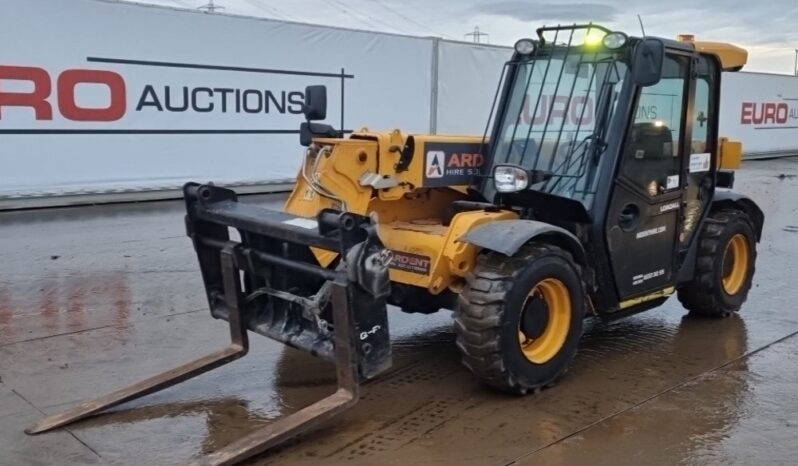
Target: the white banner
pixel 467 78
pixel 761 110
pixel 102 96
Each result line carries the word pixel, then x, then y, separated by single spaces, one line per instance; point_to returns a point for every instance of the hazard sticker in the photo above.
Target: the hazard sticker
pixel 452 164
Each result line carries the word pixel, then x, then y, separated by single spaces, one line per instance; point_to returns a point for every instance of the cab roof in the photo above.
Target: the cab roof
pixel 731 57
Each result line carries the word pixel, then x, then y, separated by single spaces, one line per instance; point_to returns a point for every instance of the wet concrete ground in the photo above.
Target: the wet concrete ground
pixel 94 298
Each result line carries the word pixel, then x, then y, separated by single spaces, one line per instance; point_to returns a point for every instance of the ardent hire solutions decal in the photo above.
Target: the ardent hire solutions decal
pixel 451 164
pixel 410 262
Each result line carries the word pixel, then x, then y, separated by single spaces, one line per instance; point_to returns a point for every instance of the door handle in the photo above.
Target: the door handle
pixel 628 217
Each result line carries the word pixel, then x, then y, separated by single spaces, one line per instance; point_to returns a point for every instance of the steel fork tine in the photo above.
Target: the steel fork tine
pixel 237 348
pixel 265 437
pixel 310 416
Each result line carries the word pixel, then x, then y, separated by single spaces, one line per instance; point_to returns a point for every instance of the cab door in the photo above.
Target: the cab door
pixel 698 171
pixel 645 207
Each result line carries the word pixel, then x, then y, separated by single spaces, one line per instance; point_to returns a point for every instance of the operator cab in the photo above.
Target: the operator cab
pixel 614 138
pixel 567 95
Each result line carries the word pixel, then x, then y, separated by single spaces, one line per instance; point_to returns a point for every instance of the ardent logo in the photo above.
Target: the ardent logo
pixel 435 161
pixel 410 262
pixel 452 163
pixel 465 160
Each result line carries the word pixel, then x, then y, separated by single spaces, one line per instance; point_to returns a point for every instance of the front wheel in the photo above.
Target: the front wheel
pixel 519 319
pixel 724 266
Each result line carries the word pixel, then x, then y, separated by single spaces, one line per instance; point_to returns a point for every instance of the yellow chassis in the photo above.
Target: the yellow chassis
pixel 409 213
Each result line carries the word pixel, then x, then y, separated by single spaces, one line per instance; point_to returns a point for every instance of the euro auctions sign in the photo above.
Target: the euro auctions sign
pixel 761 110
pixel 38 99
pixel 768 113
pixel 104 96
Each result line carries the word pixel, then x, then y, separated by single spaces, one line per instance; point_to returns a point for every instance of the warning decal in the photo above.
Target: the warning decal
pixel 699 162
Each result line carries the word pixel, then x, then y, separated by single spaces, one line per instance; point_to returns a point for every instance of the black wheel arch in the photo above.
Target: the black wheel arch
pixel 508 236
pixel 727 199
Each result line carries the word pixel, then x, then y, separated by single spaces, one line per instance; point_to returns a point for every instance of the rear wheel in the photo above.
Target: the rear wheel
pixel 519 319
pixel 724 266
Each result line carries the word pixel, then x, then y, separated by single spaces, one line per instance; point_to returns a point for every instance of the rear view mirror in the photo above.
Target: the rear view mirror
pixel 315 107
pixel 647 62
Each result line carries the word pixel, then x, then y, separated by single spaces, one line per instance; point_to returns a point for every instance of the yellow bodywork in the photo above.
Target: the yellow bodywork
pixel 339 165
pixel 731 57
pixel 358 174
pixel 450 259
pixel 730 154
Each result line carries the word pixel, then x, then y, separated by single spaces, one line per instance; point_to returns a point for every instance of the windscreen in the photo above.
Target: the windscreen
pixel 560 103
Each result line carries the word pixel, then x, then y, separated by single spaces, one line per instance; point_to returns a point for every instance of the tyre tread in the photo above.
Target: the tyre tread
pixel 478 319
pixel 701 295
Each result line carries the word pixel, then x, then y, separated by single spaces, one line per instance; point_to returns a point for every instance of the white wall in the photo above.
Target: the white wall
pixel 392 81
pixel 388 87
pixel 761 110
pixel 468 75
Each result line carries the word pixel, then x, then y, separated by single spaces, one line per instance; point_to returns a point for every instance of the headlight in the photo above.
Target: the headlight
pixel 510 178
pixel 614 40
pixel 525 46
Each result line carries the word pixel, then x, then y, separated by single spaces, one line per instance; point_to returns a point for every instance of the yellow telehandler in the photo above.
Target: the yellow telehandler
pixel 600 188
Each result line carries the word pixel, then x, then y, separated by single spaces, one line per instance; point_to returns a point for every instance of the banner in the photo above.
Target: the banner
pixel 100 97
pixel 103 97
pixel 761 110
pixel 468 75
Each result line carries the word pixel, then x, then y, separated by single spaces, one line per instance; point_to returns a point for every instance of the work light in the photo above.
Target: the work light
pixel 525 46
pixel 614 40
pixel 510 178
pixel 594 37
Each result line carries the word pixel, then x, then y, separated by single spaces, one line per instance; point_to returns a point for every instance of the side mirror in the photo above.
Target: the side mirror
pixel 647 60
pixel 315 107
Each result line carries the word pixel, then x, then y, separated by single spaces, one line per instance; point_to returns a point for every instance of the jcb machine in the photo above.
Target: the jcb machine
pixel 602 188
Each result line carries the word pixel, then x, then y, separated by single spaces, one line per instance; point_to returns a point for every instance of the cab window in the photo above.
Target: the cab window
pixel 651 159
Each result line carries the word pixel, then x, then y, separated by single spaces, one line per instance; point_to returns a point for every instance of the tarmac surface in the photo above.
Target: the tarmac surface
pixel 94 298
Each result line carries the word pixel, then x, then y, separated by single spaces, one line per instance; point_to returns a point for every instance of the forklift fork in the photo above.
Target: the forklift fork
pixel 354 359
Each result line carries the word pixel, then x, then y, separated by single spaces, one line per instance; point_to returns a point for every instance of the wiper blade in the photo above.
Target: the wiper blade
pixel 570 161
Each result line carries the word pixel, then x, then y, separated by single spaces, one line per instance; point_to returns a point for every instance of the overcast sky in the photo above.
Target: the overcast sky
pixel 767 28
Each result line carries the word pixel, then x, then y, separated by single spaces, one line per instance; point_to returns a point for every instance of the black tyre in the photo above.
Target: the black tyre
pixel 724 266
pixel 519 319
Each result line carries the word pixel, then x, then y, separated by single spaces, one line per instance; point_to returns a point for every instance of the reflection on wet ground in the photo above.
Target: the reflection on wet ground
pixel 93 298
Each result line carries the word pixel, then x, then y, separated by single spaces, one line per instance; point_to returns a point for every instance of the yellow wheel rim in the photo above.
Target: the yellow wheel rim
pixel 544 347
pixel 735 264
